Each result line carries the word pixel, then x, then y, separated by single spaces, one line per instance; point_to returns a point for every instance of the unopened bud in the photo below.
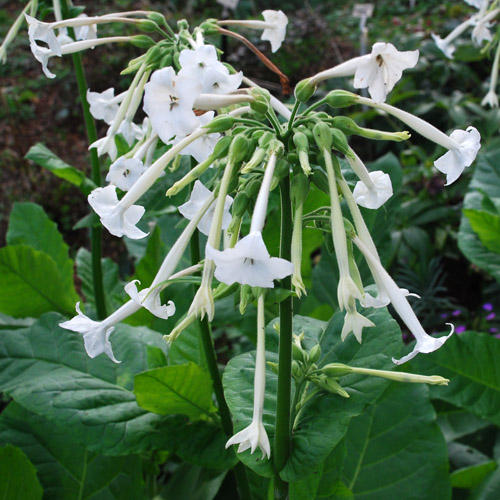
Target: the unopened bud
pixel 320 180
pixel 341 98
pixel 220 124
pixel 340 142
pixel 323 136
pixel 240 204
pixel 238 149
pixel 296 371
pixel 304 90
pixel 209 27
pixel 142 41
pixel 147 26
pixel 157 18
pixel 315 353
pixel 273 366
pixel 298 353
pixel 336 370
pixel 261 100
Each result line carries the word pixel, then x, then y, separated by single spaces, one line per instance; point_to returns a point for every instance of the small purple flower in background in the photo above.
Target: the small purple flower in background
pixel 490 316
pixel 494 330
pixel 488 306
pixel 456 312
pixel 444 315
pixel 460 329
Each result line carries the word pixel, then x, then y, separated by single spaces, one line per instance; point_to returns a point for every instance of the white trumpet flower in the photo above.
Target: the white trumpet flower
pixel 198 197
pixel 273 26
pixel 124 172
pixel 490 99
pixel 463 145
pixel 149 298
pixel 118 221
pixel 375 195
pixel 382 69
pixel 255 434
pixel 104 105
pixel 425 343
pixel 354 322
pixel 96 333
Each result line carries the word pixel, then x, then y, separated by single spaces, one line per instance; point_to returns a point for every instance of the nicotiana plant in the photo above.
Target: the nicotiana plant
pixel 244 143
pixel 483 23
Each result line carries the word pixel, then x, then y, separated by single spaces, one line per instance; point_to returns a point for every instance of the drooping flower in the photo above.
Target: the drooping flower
pixel 445 46
pixel 275 32
pixel 481 32
pixel 249 263
pixel 168 101
pixel 255 434
pixel 42 32
pixel 490 99
pixel 118 220
pixel 149 298
pixel 199 195
pixel 382 299
pixel 104 105
pixel 424 342
pixel 383 69
pixel 124 172
pixel 457 159
pixel 478 4
pixel 96 333
pixel 354 322
pixel 85 31
pixel 375 195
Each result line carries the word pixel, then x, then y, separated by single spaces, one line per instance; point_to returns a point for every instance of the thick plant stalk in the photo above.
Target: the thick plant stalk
pixel 95 231
pixel 239 470
pixel 282 431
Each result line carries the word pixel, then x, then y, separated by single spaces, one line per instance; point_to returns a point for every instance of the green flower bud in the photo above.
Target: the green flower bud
pixel 182 24
pixel 220 124
pixel 304 90
pixel 296 371
pixel 340 142
pixel 142 41
pixel 341 98
pixel 330 385
pixel 336 370
pixel 323 136
pixel 261 100
pixel 315 353
pixel 252 188
pixel 300 188
pixel 246 297
pixel 209 27
pixel 222 147
pixel 301 142
pixel 346 124
pixel 349 126
pixel 157 18
pixel 148 26
pixel 265 138
pixel 240 204
pixel 238 149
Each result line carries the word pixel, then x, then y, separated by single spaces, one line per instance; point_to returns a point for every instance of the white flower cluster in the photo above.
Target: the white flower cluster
pixel 481 23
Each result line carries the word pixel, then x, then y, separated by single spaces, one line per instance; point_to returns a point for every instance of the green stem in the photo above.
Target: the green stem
pixel 296 107
pixel 211 358
pixel 95 232
pixel 314 106
pixel 282 432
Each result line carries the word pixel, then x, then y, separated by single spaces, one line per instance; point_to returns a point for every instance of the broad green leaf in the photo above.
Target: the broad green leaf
pixel 324 420
pixel 177 389
pixel 43 156
pixel 470 477
pixel 188 347
pixel 9 323
pixel 193 483
pixel 31 283
pixel 18 480
pixel 395 449
pixel 113 286
pixel 486 179
pixel 489 489
pixel 65 468
pixel 46 370
pixel 487 227
pixel 30 225
pixel 470 362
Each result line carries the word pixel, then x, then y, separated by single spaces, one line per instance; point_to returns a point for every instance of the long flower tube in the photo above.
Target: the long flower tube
pixel 491 97
pixel 462 145
pixel 249 262
pixel 444 44
pixel 425 343
pixel 255 434
pixel 96 333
